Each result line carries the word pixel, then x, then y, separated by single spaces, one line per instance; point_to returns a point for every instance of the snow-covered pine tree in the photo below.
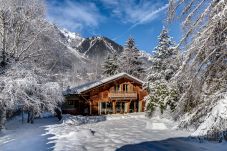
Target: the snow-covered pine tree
pixel 165 63
pixel 203 75
pixel 111 64
pixel 165 60
pixel 130 61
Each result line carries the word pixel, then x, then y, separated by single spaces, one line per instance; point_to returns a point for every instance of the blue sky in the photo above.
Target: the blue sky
pixel 115 19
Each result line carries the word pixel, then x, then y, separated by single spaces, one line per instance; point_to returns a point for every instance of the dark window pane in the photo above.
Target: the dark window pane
pixel 103 104
pixel 70 102
pixel 117 87
pixel 125 87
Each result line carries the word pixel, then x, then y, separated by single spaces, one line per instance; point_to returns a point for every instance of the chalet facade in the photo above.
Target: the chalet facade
pixel 121 93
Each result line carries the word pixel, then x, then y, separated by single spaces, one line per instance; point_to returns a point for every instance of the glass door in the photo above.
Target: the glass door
pixel 134 106
pixel 120 107
pixel 105 108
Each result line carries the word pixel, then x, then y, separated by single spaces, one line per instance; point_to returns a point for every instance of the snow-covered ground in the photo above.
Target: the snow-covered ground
pixel 131 132
pixel 26 137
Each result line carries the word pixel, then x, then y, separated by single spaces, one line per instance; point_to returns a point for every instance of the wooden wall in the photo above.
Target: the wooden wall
pixel 100 94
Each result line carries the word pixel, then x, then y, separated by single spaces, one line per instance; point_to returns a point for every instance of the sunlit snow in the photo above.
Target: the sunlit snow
pixel 132 132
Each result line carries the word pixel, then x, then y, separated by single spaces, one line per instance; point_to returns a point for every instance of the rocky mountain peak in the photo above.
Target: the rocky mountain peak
pixel 97 47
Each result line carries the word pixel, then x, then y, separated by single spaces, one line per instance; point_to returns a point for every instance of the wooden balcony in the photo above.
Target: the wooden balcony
pixel 122 95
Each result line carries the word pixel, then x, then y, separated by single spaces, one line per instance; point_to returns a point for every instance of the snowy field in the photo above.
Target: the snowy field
pixel 131 132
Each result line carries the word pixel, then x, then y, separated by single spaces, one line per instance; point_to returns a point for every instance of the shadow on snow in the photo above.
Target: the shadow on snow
pixel 174 144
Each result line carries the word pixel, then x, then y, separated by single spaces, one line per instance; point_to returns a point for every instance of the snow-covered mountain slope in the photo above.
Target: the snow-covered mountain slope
pixel 66 57
pixel 98 47
pixel 85 55
pixel 95 48
pixel 74 39
pixel 92 48
pixel 71 41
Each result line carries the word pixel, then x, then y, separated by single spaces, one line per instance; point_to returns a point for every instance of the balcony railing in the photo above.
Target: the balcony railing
pixel 123 95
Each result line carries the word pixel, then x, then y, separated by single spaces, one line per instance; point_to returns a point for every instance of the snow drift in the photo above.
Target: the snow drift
pixel 215 121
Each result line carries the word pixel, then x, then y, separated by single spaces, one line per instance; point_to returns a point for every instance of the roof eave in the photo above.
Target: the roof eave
pixel 99 85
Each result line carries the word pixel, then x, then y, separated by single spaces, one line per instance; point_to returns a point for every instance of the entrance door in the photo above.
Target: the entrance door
pixel 134 106
pixel 120 107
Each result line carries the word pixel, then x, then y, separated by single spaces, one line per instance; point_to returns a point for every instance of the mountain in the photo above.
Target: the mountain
pixel 98 47
pixel 88 54
pixel 72 38
pixel 94 48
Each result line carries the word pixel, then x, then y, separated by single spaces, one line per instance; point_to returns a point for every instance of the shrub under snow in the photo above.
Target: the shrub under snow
pixel 28 90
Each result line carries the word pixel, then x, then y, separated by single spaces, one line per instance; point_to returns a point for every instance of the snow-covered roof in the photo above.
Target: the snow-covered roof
pixel 84 87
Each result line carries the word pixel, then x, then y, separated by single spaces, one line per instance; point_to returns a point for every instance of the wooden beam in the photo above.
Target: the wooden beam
pixel 114 106
pixel 128 106
pixel 90 107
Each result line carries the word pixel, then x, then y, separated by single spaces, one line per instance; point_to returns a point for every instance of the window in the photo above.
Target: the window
pixel 70 102
pixel 109 105
pixel 106 105
pixel 77 104
pixel 125 87
pixel 103 105
pixel 117 87
pixel 106 108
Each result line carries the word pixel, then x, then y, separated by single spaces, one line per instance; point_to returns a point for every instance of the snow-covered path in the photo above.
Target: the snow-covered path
pixel 132 132
pixel 26 137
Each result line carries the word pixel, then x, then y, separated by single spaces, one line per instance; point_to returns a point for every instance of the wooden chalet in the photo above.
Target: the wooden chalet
pixel 121 93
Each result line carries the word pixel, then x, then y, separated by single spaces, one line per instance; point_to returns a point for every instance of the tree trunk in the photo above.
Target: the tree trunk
pixel 3 34
pixel 32 116
pixel 59 113
pixel 29 115
pixel 2 118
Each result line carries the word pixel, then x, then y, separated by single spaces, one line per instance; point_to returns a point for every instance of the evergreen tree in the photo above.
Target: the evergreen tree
pixel 166 59
pixel 110 65
pixel 165 63
pixel 130 62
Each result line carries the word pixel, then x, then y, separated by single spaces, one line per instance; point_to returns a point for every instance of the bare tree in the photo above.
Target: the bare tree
pixel 29 89
pixel 21 27
pixel 25 53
